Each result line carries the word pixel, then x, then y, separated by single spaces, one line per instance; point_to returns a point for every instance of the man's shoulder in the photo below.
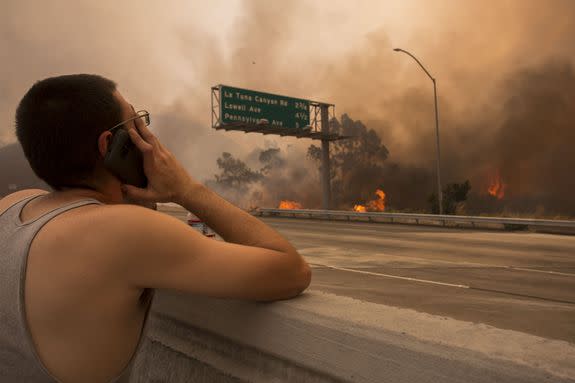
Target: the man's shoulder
pixel 13 198
pixel 127 235
pixel 121 214
pixel 21 194
pixel 116 231
pixel 130 221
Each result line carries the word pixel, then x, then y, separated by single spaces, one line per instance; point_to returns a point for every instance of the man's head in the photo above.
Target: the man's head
pixel 60 124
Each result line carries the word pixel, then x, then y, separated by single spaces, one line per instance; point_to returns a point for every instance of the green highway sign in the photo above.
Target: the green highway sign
pixel 242 106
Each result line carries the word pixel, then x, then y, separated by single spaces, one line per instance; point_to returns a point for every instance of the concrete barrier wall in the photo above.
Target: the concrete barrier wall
pixel 176 352
pixel 453 221
pixel 321 337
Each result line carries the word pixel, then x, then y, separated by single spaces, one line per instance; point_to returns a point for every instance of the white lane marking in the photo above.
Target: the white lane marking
pixel 486 266
pixel 391 276
pixel 441 262
pixel 541 271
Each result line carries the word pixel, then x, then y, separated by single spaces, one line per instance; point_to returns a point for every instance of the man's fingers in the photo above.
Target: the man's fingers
pixel 144 131
pixel 139 141
pixel 135 194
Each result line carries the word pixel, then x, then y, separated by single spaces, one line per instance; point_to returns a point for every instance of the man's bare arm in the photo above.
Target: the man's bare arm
pixel 159 251
pixel 230 222
pixel 255 263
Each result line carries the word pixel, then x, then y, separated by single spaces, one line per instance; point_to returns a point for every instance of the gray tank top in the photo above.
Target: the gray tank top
pixel 19 361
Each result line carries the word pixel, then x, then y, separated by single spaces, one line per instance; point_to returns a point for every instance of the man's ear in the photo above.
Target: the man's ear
pixel 104 142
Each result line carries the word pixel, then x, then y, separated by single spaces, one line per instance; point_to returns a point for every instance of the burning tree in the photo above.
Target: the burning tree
pixel 373 205
pixel 357 164
pixel 496 186
pixel 271 184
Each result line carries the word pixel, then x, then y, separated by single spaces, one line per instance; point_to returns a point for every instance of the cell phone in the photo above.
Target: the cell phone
pixel 125 160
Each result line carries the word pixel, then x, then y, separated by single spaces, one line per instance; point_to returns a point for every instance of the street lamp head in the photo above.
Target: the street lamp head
pixel 396 49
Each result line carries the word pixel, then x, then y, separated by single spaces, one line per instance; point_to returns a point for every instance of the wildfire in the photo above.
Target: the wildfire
pixel 290 205
pixel 496 186
pixel 374 205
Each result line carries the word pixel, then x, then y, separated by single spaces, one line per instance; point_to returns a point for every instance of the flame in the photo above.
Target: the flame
pixel 379 203
pixel 496 186
pixel 290 205
pixel 374 205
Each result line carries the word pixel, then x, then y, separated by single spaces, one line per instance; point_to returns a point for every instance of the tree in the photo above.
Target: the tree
pixel 453 194
pixel 271 158
pixel 356 163
pixel 235 173
pixel 314 153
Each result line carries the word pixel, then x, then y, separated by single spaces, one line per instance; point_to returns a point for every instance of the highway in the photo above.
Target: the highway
pixel 511 280
pixel 520 281
pixel 483 294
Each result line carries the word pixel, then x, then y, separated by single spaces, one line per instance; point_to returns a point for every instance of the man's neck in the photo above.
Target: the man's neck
pixel 79 193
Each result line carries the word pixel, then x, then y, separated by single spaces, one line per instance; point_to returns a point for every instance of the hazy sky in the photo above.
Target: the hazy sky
pixel 165 56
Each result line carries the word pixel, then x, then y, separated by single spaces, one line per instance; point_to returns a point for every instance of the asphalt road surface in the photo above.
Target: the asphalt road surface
pixel 520 281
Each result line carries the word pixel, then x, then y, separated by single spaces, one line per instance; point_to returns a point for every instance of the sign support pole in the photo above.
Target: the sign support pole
pixel 325 164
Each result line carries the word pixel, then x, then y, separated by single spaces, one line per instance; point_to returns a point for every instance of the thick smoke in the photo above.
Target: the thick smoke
pixel 504 73
pixel 505 104
pixel 266 177
pixel 533 143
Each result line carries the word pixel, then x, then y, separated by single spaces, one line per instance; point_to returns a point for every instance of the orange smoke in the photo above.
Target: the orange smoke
pixel 290 205
pixel 496 186
pixel 374 205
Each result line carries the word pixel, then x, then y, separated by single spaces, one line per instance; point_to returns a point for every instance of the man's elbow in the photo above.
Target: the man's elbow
pixel 296 284
pixel 302 280
pixel 305 278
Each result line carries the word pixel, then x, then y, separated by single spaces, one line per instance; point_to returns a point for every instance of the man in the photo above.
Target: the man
pixel 78 262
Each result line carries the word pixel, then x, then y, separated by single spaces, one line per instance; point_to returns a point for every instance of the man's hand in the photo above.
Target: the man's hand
pixel 168 181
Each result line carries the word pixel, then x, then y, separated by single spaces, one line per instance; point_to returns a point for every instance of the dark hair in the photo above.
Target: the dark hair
pixel 58 122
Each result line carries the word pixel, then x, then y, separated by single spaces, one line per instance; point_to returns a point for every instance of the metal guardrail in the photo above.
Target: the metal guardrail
pixel 328 214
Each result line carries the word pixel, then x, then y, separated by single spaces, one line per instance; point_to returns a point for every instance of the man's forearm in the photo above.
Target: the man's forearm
pixel 230 222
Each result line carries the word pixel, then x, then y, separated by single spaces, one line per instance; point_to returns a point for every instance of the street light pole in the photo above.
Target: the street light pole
pixel 439 192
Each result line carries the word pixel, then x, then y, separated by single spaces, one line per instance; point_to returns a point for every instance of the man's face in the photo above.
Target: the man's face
pixel 128 110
